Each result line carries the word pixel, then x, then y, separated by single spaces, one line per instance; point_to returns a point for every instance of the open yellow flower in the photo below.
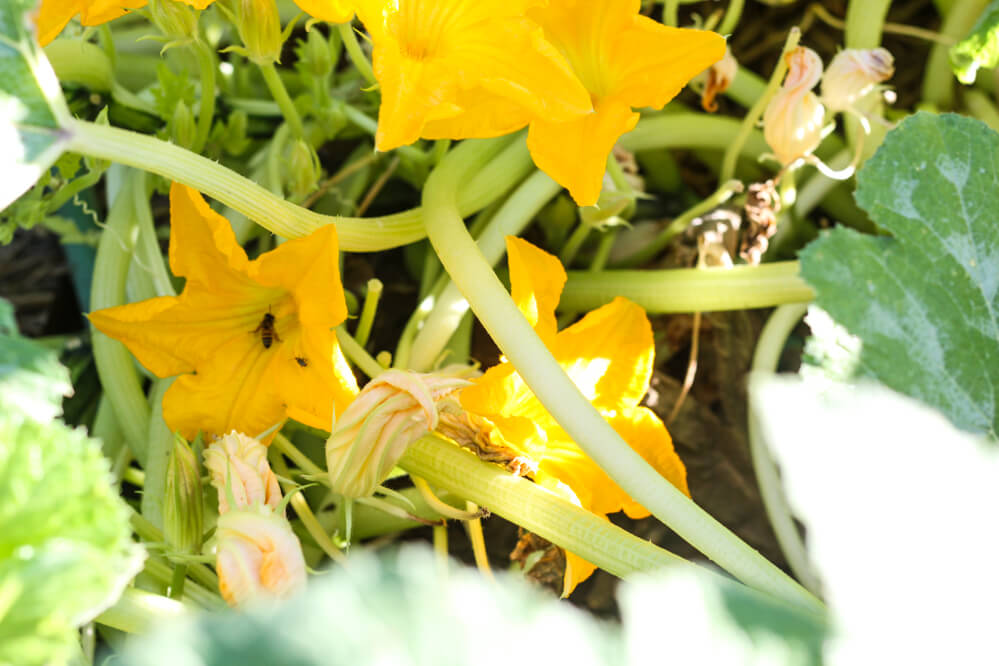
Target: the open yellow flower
pixel 253 341
pixel 626 61
pixel 53 15
pixel 463 68
pixel 608 354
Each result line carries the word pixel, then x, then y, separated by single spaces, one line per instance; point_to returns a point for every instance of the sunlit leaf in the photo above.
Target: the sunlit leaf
pixel 924 302
pixel 32 109
pixel 899 508
pixel 32 381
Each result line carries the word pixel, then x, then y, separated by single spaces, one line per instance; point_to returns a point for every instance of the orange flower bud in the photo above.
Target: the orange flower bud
pixel 852 74
pixel 257 556
pixel 792 122
pixel 392 411
pixel 240 471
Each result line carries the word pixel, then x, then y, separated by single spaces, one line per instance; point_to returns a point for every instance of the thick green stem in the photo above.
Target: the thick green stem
pixel 451 306
pixel 283 99
pixel 765 360
pixel 115 365
pixel 367 318
pixel 137 611
pixel 357 354
pixel 754 113
pixel 865 19
pixel 206 65
pixel 690 289
pixel 693 130
pixel 276 215
pixel 147 245
pixel 563 400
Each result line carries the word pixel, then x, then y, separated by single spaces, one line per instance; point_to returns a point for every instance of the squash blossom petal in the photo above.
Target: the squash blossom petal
pixel 608 354
pixel 257 556
pixel 253 341
pixel 463 68
pixel 53 15
pixel 792 121
pixel 626 61
pixel 239 469
pixel 852 74
pixel 394 410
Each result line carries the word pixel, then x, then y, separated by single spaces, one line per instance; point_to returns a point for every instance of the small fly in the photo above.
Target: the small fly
pixel 266 329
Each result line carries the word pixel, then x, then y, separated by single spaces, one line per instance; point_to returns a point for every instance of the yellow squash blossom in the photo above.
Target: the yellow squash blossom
pixel 463 68
pixel 53 15
pixel 253 341
pixel 626 61
pixel 258 556
pixel 608 354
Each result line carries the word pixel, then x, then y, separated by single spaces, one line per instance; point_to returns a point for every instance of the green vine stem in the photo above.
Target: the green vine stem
pixel 690 289
pixel 692 130
pixel 283 99
pixel 147 248
pixel 732 16
pixel 473 274
pixel 754 113
pixel 355 53
pixel 938 78
pixel 451 306
pixel 115 366
pixel 159 443
pixel 765 360
pixel 137 611
pixel 206 66
pixel 506 169
pixel 372 296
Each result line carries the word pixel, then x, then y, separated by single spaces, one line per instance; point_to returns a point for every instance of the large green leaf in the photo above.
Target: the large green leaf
pixel 32 109
pixel 924 301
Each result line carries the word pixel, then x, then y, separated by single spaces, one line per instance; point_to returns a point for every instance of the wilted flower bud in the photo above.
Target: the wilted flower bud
pixel 719 77
pixel 260 29
pixel 176 20
pixel 183 508
pixel 303 169
pixel 257 556
pixel 239 468
pixel 792 123
pixel 183 128
pixel 392 411
pixel 852 74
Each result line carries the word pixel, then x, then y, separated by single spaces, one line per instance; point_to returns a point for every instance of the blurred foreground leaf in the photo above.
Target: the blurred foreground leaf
pixel 32 109
pixel 32 381
pixel 65 542
pixel 399 610
pixel 925 302
pixel 899 508
pixel 979 49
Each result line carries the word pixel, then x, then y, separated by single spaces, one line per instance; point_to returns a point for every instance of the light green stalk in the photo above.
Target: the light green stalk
pixel 517 340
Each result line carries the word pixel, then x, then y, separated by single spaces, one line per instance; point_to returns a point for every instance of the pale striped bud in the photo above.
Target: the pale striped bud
pixel 257 556
pixel 394 410
pixel 852 74
pixel 792 122
pixel 240 471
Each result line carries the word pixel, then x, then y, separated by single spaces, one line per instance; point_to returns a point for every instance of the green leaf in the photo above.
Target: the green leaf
pixel 32 381
pixel 65 542
pixel 899 508
pixel 924 301
pixel 980 48
pixel 32 109
pixel 399 610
